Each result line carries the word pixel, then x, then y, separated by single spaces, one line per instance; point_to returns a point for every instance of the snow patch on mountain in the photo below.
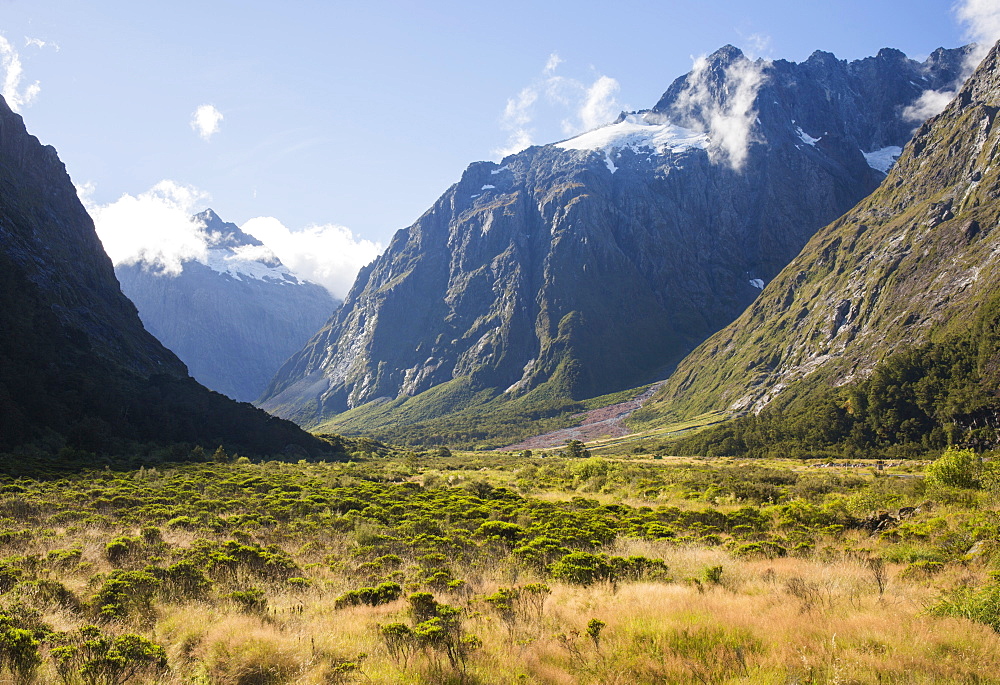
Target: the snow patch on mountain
pixel 636 133
pixel 882 160
pixel 805 137
pixel 251 262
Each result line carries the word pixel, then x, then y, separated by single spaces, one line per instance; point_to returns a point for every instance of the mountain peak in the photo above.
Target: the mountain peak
pixel 915 262
pixel 823 57
pixel 223 234
pixel 726 55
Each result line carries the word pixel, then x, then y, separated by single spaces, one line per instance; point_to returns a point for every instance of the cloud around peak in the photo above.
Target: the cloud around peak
pixel 981 19
pixel 578 105
pixel 724 111
pixel 330 255
pixel 158 228
pixel 155 227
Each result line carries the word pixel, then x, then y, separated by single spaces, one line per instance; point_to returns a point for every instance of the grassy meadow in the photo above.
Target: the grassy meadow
pixel 502 568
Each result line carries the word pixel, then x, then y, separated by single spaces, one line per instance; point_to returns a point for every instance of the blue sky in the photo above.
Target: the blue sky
pixel 350 119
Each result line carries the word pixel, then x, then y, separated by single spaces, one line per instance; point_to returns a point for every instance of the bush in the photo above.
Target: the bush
pixel 121 549
pixel 103 660
pixel 372 596
pixel 125 593
pixel 183 580
pixel 252 601
pixel 18 650
pixel 981 605
pixel 581 568
pixel 955 468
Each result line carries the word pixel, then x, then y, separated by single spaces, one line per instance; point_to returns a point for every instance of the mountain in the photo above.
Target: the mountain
pixel 77 369
pixel 889 319
pixel 595 264
pixel 233 319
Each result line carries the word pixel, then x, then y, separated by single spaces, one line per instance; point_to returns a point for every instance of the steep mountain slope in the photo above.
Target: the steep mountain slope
pixel 597 263
pixel 233 319
pixel 76 366
pixel 908 278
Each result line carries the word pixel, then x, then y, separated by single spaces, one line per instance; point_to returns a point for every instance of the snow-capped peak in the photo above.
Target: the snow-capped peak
pixel 638 131
pixel 239 255
pixel 250 262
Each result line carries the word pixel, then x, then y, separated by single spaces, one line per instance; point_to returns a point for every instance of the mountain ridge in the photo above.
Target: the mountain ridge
pixel 912 265
pixel 587 271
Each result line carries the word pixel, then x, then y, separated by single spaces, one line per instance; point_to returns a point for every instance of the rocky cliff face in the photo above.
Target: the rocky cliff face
pixel 597 263
pixel 914 262
pixel 77 368
pixel 233 319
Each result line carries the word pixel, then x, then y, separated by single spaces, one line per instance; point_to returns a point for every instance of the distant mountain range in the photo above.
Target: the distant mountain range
pixel 885 330
pixel 77 369
pixel 233 319
pixel 592 265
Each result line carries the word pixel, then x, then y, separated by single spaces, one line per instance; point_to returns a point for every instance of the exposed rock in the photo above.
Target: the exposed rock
pixel 597 263
pixel 917 257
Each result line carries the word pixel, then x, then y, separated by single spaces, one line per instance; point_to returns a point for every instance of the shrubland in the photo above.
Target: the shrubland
pixel 437 567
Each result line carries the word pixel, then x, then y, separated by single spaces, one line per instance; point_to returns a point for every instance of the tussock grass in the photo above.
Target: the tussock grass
pixel 817 614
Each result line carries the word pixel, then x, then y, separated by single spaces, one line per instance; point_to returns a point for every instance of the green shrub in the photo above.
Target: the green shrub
pixel 251 601
pixel 48 592
pixel 99 659
pixel 582 568
pixel 229 558
pixel 957 468
pixel 501 531
pixel 122 549
pixel 63 558
pixel 183 580
pixel 922 569
pixel 981 605
pixel 372 596
pixel 18 650
pixel 125 593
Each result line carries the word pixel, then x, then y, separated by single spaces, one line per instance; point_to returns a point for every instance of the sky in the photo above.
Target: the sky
pixel 323 127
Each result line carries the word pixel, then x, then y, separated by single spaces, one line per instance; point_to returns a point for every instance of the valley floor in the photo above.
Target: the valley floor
pixel 595 424
pixel 496 569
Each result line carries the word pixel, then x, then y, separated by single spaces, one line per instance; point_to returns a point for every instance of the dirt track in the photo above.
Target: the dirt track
pixel 606 422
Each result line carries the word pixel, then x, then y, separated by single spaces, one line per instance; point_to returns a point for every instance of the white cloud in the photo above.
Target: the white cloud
pixel 329 255
pixel 582 107
pixel 205 121
pixel 982 24
pixel 981 19
pixel 38 43
pixel 155 227
pixel 158 228
pixel 724 111
pixel 554 61
pixel 16 95
pixel 599 106
pixel 515 119
pixel 929 104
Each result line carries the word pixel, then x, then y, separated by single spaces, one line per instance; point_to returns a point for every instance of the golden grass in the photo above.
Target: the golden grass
pixel 788 620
